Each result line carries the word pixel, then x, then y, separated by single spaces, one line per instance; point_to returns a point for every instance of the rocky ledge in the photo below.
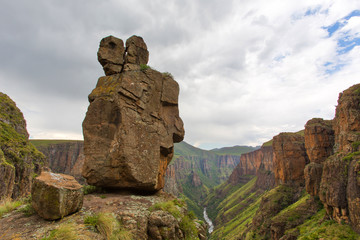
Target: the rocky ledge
pixel 159 216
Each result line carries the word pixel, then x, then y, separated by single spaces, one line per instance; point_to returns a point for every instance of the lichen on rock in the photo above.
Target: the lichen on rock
pixel 56 195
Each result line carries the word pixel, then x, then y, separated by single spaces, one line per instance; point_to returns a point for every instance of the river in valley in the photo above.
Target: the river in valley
pixel 208 221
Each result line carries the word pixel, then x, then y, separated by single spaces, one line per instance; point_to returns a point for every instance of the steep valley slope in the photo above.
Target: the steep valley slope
pixel 191 174
pixel 308 188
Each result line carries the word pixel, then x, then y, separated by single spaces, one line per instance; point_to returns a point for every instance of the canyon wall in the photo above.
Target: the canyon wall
pixel 19 159
pixel 253 163
pixel 64 156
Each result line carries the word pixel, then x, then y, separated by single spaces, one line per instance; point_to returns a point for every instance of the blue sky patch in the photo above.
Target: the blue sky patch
pixel 345 41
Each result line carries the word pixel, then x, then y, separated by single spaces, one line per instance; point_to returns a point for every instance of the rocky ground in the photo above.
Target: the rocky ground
pixel 130 209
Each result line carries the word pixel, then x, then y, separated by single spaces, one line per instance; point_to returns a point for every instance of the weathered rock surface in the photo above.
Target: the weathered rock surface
pixel 253 162
pixel 131 126
pixel 353 192
pixel 347 121
pixel 56 195
pixel 340 185
pixel 111 55
pixel 7 177
pixel 163 225
pixel 290 158
pixel 137 215
pixel 136 50
pixel 312 174
pixel 319 139
pixel 195 179
pixel 19 160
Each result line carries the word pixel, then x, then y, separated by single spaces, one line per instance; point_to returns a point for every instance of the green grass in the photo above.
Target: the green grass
pixel 8 206
pixel 27 210
pixel 235 150
pixel 319 228
pixel 47 142
pixel 65 231
pixel 108 226
pixel 144 67
pixel 173 207
pixel 89 189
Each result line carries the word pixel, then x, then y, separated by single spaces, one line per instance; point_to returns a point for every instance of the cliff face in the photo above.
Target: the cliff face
pixel 253 163
pixel 290 158
pixel 340 185
pixel 19 159
pixel 64 156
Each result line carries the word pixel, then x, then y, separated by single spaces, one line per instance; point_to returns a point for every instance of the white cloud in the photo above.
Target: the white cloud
pixel 247 69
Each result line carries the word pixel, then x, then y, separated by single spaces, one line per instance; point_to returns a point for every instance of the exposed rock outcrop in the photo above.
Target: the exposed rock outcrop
pixel 19 159
pixel 131 124
pixel 319 139
pixel 312 175
pixel 290 158
pixel 253 162
pixel 56 195
pixel 340 185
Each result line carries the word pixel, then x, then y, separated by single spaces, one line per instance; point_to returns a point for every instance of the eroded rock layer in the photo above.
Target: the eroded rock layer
pixel 131 125
pixel 290 158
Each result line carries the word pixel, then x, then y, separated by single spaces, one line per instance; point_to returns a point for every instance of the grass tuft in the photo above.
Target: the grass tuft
pixel 7 206
pixel 108 226
pixel 65 231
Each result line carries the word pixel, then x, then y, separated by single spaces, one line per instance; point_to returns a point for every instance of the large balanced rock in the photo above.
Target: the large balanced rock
pixel 131 125
pixel 289 158
pixel 56 195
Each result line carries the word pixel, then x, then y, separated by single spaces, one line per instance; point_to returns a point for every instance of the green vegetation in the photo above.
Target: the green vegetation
pixel 27 210
pixel 65 231
pixel 144 67
pixel 108 226
pixel 206 167
pixel 187 224
pixel 7 206
pixel 317 227
pixel 235 150
pixel 268 143
pixel 87 189
pixel 167 74
pixel 47 142
pixel 350 156
pixel 355 145
pixel 233 212
pixel 173 207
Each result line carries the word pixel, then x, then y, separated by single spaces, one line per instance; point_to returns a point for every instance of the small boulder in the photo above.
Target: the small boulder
pixel 56 195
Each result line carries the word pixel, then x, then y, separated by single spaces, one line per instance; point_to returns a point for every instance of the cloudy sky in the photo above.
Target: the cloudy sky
pixel 247 69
